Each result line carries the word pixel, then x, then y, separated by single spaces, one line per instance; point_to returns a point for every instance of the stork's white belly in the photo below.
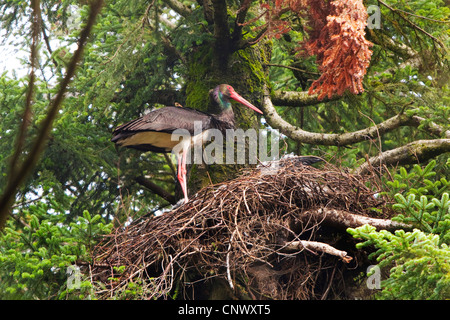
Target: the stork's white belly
pixel 167 141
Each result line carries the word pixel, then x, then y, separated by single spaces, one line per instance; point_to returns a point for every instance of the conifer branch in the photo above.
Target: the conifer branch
pixel 315 246
pixel 401 13
pixel 26 118
pixel 29 163
pixel 165 97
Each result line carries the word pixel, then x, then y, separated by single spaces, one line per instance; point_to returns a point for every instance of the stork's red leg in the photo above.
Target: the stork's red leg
pixel 182 175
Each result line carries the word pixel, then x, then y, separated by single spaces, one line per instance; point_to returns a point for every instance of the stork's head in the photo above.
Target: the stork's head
pixel 224 92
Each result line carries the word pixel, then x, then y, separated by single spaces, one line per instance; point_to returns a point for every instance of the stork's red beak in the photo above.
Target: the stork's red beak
pixel 238 98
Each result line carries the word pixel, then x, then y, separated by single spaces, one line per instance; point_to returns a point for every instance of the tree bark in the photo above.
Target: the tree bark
pixel 297 99
pixel 245 70
pixel 329 139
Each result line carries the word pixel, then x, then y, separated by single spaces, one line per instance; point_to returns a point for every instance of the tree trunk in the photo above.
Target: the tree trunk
pixel 245 70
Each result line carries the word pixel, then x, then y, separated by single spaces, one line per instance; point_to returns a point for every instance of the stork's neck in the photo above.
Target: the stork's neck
pixel 226 117
pixel 221 109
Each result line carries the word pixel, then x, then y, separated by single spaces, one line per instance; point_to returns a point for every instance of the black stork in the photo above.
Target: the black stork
pixel 153 131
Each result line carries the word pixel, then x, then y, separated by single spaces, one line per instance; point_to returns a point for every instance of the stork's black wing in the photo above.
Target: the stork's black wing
pixel 167 119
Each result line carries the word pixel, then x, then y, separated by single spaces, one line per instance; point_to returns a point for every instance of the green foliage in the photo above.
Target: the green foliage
pixel 419 260
pixel 35 259
pixel 420 212
pixel 418 264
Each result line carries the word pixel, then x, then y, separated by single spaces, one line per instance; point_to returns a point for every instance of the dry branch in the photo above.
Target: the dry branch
pixel 413 152
pixel 179 7
pixel 318 246
pixel 342 219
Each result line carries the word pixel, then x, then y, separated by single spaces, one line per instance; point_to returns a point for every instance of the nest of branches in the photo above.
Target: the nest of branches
pixel 277 231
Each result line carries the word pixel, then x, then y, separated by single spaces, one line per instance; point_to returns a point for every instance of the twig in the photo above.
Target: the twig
pixel 423 17
pixel 325 294
pixel 230 281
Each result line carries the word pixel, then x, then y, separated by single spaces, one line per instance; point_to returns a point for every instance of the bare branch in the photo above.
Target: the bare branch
pixel 344 219
pixel 156 189
pixel 431 127
pixel 417 151
pixel 317 246
pixel 331 139
pixel 178 7
pixel 297 99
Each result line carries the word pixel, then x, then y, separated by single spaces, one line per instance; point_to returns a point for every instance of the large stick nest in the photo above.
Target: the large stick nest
pixel 243 238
